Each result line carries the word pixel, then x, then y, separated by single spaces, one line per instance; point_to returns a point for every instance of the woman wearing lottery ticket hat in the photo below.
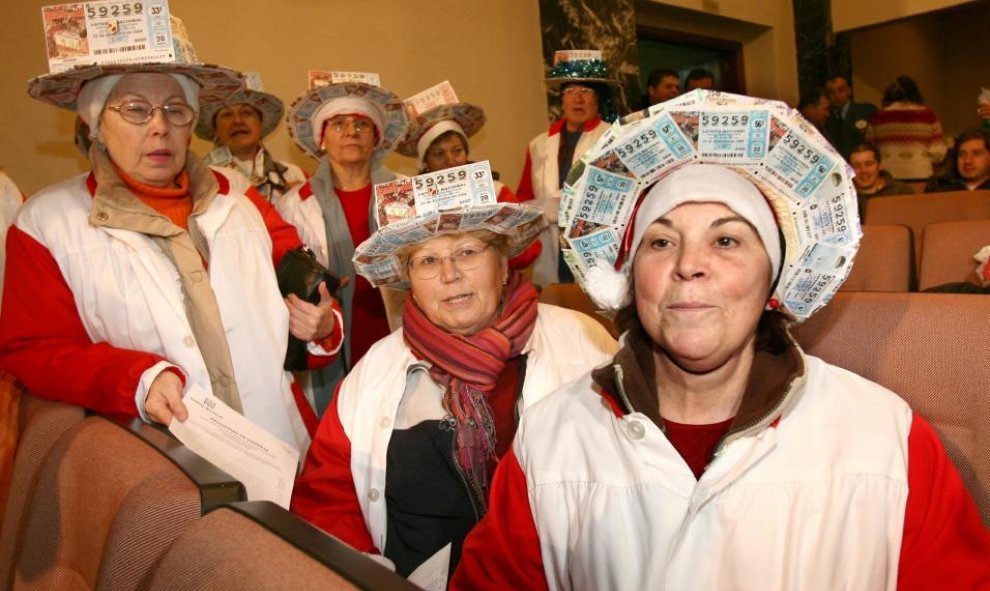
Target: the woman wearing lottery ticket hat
pixel 438 139
pixel 350 124
pixel 150 275
pixel 417 427
pixel 237 124
pixel 585 87
pixel 711 438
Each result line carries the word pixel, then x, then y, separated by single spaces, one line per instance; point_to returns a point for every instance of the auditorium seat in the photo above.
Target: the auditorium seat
pixel 947 250
pixel 917 211
pixel 111 497
pixel 39 424
pixel 570 295
pixel 259 546
pixel 929 348
pixel 884 262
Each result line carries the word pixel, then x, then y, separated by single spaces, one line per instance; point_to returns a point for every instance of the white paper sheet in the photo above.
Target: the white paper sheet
pixel 432 574
pixel 265 464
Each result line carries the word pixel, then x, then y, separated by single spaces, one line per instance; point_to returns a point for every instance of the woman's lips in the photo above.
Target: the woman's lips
pixel 160 155
pixel 457 299
pixel 690 306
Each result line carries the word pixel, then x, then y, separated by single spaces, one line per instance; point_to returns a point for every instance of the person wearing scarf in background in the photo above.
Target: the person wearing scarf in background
pixel 127 285
pixel 350 128
pixel 402 461
pixel 237 125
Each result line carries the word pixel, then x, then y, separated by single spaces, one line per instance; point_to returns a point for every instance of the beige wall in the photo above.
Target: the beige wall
pixel 853 14
pixel 766 31
pixel 945 53
pixel 489 50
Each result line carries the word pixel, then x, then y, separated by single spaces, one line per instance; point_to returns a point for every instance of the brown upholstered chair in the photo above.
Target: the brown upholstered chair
pixel 40 423
pixel 932 350
pixel 110 500
pixel 885 261
pixel 947 250
pixel 570 295
pixel 917 211
pixel 259 546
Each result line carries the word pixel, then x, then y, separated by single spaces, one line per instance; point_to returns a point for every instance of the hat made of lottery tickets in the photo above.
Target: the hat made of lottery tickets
pixel 322 102
pixel 805 181
pixel 434 112
pixel 411 210
pixel 61 89
pixel 270 106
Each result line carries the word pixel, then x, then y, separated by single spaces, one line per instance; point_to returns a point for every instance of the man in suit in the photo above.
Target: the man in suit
pixel 847 124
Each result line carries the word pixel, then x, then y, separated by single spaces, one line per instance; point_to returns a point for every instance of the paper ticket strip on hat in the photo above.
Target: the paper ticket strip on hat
pixel 113 32
pixel 808 185
pixel 414 209
pixel 435 96
pixel 317 78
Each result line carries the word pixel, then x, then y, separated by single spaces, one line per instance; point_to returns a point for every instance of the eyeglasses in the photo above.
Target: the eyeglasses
pixel 361 126
pixel 429 266
pixel 141 112
pixel 576 91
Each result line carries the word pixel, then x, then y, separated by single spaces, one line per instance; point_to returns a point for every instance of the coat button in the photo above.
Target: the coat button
pixel 102 216
pixel 374 495
pixel 386 422
pixel 197 276
pixel 636 430
pixel 189 341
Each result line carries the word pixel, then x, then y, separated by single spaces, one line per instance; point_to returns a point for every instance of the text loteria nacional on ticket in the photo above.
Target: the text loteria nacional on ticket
pixel 111 32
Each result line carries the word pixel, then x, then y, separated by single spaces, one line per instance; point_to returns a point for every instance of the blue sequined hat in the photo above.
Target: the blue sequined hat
pixel 579 65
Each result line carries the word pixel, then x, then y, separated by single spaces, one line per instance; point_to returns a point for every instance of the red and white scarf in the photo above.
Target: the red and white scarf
pixel 467 367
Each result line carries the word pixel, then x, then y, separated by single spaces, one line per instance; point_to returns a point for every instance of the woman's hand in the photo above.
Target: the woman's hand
pixel 984 110
pixel 311 322
pixel 164 399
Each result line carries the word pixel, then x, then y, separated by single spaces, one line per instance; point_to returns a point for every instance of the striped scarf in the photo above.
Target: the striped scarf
pixel 468 367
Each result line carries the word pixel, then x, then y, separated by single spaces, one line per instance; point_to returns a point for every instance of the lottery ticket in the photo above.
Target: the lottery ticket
pixel 110 32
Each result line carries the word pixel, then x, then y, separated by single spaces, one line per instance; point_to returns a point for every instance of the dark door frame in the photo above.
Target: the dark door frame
pixel 733 76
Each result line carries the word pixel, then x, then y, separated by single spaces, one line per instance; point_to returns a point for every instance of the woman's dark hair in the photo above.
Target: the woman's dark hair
pixel 904 89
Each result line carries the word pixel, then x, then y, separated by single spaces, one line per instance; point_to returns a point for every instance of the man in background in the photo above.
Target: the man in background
pixel 848 121
pixel 662 85
pixel 699 78
pixel 971 164
pixel 870 181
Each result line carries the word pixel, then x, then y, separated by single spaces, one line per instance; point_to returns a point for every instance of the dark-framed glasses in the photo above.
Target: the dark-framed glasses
pixel 464 258
pixel 141 112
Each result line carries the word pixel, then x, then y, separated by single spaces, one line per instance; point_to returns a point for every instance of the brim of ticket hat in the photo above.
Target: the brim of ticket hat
pixel 270 106
pixel 62 89
pixel 556 82
pixel 521 223
pixel 800 255
pixel 389 105
pixel 470 118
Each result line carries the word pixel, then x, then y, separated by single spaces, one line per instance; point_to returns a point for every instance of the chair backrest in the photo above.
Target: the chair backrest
pixel 570 295
pixel 885 261
pixel 947 250
pixel 108 503
pixel 40 423
pixel 260 546
pixel 929 348
pixel 917 211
